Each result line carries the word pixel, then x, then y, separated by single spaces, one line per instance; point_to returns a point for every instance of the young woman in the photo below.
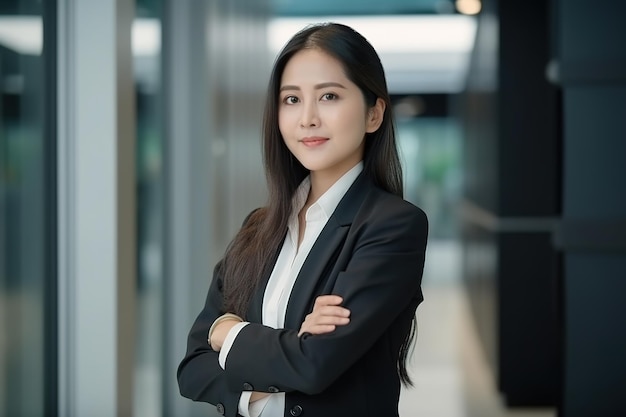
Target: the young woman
pixel 311 310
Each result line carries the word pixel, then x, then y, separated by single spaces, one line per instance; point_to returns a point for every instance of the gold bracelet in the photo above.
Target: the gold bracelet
pixel 223 317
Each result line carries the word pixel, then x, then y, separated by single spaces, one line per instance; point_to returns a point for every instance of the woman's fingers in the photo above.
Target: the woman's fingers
pixel 326 315
pixel 323 316
pixel 321 329
pixel 332 311
pixel 328 305
pixel 327 300
pixel 321 320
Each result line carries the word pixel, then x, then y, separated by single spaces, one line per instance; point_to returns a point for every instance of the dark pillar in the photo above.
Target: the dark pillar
pixel 592 235
pixel 512 199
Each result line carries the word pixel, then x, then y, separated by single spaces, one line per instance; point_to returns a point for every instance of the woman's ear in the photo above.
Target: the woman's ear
pixel 375 116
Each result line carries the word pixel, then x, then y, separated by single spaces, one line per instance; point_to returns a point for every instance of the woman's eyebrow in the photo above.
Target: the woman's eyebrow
pixel 317 86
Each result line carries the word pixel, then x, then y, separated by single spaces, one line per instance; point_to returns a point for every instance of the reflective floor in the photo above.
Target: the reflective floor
pixel 449 370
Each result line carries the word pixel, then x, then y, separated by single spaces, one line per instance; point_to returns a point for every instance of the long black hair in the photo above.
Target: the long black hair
pixel 249 255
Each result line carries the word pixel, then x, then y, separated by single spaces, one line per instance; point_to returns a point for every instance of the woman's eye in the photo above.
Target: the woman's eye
pixel 290 100
pixel 329 96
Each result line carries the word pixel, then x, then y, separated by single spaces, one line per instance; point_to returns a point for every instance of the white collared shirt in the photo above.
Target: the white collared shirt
pixel 284 274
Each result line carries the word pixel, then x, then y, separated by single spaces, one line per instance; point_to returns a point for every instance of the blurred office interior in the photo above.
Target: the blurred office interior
pixel 130 154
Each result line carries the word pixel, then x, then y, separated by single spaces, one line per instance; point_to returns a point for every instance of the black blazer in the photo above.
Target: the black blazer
pixel 371 252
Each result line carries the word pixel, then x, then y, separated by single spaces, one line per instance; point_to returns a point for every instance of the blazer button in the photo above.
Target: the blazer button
pixel 272 389
pixel 247 387
pixel 220 409
pixel 295 411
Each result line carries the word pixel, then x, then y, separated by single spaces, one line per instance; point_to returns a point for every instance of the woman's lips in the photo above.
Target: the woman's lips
pixel 313 141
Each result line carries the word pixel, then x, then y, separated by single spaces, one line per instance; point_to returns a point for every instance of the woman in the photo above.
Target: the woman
pixel 311 311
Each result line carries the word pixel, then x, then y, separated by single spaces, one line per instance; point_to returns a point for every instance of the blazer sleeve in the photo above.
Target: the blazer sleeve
pixel 200 376
pixel 382 278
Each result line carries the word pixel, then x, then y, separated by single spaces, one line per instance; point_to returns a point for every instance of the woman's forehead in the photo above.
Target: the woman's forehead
pixel 312 66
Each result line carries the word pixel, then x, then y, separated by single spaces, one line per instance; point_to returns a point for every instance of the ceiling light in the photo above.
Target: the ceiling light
pixel 396 34
pixel 420 54
pixel 468 7
pixel 24 35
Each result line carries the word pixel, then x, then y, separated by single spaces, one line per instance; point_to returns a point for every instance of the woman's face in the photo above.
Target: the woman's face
pixel 322 115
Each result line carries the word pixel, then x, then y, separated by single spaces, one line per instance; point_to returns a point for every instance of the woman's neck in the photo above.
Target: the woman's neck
pixel 319 185
pixel 322 181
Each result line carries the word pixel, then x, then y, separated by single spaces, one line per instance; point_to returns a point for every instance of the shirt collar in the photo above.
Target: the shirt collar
pixel 324 207
pixel 329 201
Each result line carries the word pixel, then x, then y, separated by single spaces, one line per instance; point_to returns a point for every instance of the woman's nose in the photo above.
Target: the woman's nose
pixel 310 116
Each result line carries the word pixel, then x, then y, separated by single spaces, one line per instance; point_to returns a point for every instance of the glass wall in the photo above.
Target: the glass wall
pixel 27 194
pixel 431 152
pixel 148 398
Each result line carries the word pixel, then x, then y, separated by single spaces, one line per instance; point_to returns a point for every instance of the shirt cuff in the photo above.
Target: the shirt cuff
pixel 247 409
pixel 228 342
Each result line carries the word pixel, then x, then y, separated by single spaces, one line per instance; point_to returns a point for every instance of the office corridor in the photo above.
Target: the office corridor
pixel 130 153
pixel 449 370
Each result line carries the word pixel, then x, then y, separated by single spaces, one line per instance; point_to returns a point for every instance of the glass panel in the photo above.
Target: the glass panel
pixel 149 352
pixel 431 153
pixel 27 273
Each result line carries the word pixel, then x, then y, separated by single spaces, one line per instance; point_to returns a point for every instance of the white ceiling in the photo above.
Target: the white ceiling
pixel 420 53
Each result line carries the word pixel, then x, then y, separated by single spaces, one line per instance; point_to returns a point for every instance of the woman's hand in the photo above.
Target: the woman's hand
pixel 256 396
pixel 220 332
pixel 326 315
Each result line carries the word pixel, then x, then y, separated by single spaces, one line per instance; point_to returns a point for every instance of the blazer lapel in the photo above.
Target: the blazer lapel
pixel 328 242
